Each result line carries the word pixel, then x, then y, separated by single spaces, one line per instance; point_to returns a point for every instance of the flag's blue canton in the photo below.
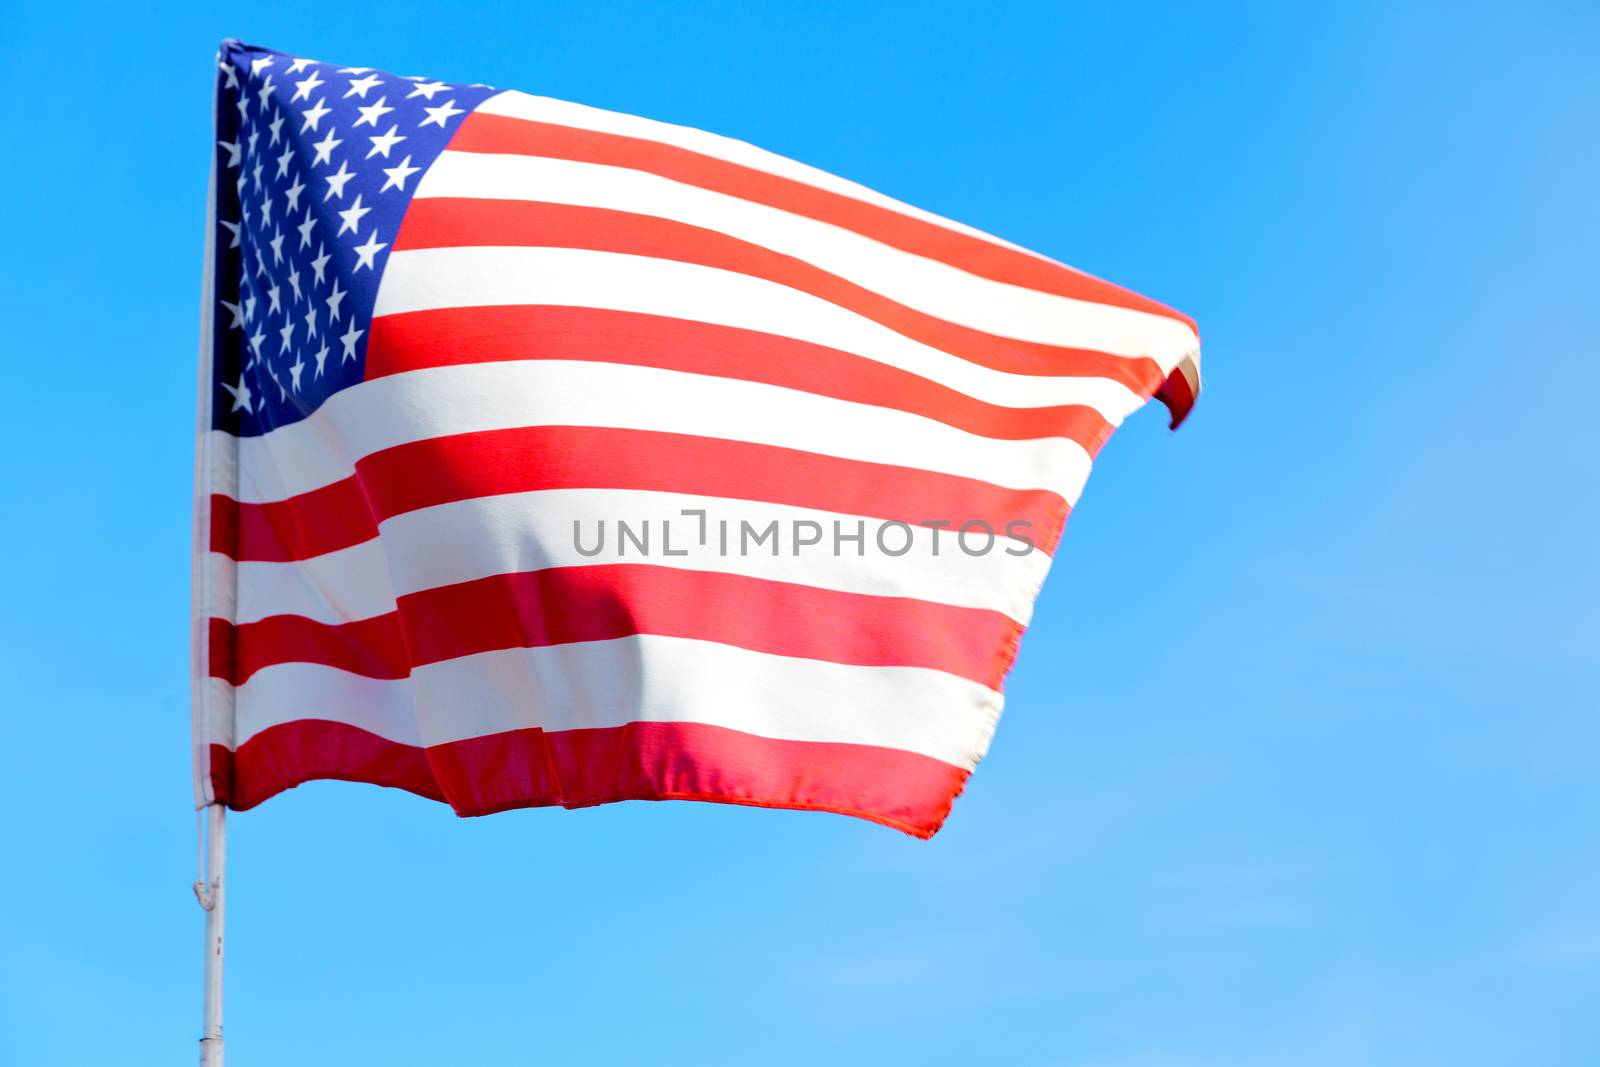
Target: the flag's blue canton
pixel 315 167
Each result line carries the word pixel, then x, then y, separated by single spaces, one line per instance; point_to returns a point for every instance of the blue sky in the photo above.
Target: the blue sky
pixel 1301 761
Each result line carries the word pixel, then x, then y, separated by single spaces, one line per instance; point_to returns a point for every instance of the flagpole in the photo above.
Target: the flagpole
pixel 210 892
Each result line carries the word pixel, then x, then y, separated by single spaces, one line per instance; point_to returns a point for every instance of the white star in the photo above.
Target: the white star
pixel 300 64
pixel 276 244
pixel 372 113
pixel 442 113
pixel 238 315
pixel 276 126
pixel 366 255
pixel 324 148
pixel 306 223
pixel 292 194
pixel 241 394
pixel 259 65
pixel 261 264
pixel 311 321
pixel 265 91
pixel 305 86
pixel 232 75
pixel 427 90
pixel 255 176
pixel 359 86
pixel 352 216
pixel 321 357
pixel 233 228
pixel 283 394
pixel 398 175
pixel 334 299
pixel 321 262
pixel 256 339
pixel 283 161
pixel 233 151
pixel 244 108
pixel 249 307
pixel 354 70
pixel 382 144
pixel 294 283
pixel 337 182
pixel 272 295
pixel 351 336
pixel 286 333
pixel 295 368
pixel 314 115
pixel 250 150
pixel 266 206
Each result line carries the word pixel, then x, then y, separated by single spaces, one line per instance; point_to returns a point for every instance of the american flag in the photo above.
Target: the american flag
pixel 549 455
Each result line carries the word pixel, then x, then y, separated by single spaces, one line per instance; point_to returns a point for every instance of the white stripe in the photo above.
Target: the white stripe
pixel 496 535
pixel 472 539
pixel 517 105
pixel 598 684
pixel 221 696
pixel 352 583
pixel 425 278
pixel 287 692
pixel 927 285
pixel 471 397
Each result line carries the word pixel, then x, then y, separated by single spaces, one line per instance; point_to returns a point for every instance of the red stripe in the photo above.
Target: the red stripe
pixel 579 768
pixel 224 526
pixel 441 470
pixel 603 602
pixel 284 756
pixel 332 517
pixel 1178 395
pixel 442 337
pixel 481 132
pixel 456 222
pixel 374 648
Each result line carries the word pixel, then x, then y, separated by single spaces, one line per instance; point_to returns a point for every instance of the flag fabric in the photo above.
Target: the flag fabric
pixel 549 455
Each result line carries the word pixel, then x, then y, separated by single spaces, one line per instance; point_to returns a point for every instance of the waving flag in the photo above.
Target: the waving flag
pixel 549 455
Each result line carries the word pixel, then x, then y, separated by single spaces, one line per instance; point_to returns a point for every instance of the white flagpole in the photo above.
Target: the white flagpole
pixel 210 892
